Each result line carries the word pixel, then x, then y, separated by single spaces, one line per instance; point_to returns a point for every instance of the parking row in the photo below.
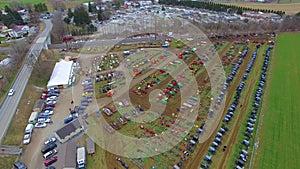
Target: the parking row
pixel 237 66
pixel 230 113
pixel 243 155
pixel 42 118
pixel 88 89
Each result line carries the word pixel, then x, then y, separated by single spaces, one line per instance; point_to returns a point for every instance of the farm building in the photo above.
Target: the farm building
pixel 69 130
pixel 62 75
pixel 38 106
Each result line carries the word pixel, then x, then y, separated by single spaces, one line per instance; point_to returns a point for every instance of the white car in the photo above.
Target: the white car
pixel 51 140
pixel 40 125
pixel 51 102
pixel 11 92
pixel 54 98
pixel 26 139
pixel 50 112
pixel 44 120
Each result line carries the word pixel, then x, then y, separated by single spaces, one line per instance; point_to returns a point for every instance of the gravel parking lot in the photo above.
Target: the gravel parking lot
pixel 32 155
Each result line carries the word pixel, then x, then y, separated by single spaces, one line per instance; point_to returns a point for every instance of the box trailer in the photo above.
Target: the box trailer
pixel 81 157
pixel 33 118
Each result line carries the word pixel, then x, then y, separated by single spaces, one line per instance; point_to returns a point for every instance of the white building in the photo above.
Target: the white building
pixel 62 75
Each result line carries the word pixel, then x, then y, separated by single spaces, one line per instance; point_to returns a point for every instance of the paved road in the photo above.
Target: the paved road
pixel 10 104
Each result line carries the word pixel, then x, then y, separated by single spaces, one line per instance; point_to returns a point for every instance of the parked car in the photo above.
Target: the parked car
pixel 26 139
pixel 50 161
pixel 51 102
pixel 19 165
pixel 40 125
pixel 122 121
pixel 50 153
pixel 51 98
pixel 11 92
pixel 50 112
pixel 68 120
pixel 107 111
pixel 48 147
pixel 114 125
pixel 44 120
pixel 50 141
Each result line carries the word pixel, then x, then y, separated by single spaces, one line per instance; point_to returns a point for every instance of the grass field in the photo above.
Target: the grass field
pixel 289 8
pixel 279 136
pixel 8 2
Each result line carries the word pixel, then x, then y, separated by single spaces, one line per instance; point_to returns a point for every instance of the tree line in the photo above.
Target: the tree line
pixel 216 6
pixel 11 17
pixel 41 7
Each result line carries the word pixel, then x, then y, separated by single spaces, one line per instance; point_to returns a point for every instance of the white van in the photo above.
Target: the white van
pixel 29 128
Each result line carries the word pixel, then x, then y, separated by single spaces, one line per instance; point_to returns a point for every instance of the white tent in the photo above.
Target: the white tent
pixel 61 74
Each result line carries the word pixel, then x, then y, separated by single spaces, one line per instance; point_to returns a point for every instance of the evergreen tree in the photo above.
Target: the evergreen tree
pixel 90 7
pixel 240 11
pixel 67 20
pixel 12 17
pixel 70 13
pixel 81 17
pixel 99 15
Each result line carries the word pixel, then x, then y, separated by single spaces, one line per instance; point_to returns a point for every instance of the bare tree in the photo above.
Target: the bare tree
pixel 34 17
pixel 18 52
pixel 59 29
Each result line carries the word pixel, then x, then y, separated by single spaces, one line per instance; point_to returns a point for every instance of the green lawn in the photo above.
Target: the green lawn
pixel 2 57
pixel 279 138
pixel 8 2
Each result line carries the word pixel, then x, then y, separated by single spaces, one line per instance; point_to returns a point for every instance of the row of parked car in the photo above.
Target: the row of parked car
pixel 49 152
pixel 231 76
pixel 230 112
pixel 50 98
pixel 110 110
pixel 40 120
pixel 237 66
pixel 243 155
pixel 88 89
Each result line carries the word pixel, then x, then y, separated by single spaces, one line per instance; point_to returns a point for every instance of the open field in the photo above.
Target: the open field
pixel 289 8
pixel 3 3
pixel 279 135
pixel 70 4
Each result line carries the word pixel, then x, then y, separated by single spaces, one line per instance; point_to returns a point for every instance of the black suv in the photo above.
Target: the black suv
pixel 48 148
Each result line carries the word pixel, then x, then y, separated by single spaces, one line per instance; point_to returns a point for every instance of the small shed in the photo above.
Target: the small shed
pixel 38 106
pixel 90 146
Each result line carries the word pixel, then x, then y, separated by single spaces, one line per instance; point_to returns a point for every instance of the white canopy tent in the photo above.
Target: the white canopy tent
pixel 61 74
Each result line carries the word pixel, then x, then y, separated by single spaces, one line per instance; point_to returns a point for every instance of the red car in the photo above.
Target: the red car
pixel 50 161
